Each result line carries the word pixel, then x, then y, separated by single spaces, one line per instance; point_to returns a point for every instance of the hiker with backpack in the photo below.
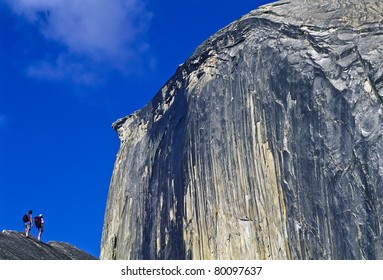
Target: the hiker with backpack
pixel 27 219
pixel 39 223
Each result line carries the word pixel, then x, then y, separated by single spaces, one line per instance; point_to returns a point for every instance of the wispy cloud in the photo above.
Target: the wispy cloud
pixel 65 66
pixel 102 31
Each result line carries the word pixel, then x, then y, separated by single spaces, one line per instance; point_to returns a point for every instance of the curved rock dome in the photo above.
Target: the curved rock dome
pixel 265 144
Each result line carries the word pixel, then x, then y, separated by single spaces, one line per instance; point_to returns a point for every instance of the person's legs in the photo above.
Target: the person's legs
pixel 40 233
pixel 27 229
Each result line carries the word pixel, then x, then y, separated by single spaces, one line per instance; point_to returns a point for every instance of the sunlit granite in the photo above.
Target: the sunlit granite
pixel 265 144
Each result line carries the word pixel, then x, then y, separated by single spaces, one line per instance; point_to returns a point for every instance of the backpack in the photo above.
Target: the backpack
pixel 38 222
pixel 25 218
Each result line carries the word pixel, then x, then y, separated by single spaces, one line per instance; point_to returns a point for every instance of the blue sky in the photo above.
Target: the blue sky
pixel 68 70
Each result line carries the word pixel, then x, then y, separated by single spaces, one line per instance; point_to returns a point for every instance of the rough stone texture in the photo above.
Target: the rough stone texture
pixel 15 246
pixel 265 144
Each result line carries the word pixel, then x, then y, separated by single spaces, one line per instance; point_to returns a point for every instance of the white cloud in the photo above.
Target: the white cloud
pixel 102 31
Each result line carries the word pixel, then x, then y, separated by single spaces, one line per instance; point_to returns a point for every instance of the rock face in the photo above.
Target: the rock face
pixel 265 144
pixel 14 246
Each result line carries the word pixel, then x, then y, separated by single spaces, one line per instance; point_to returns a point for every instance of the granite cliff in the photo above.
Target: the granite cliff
pixel 14 246
pixel 265 144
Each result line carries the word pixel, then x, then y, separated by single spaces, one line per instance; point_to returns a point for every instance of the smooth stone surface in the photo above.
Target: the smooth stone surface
pixel 15 246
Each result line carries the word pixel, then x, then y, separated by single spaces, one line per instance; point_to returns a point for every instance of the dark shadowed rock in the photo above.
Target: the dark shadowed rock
pixel 15 246
pixel 265 144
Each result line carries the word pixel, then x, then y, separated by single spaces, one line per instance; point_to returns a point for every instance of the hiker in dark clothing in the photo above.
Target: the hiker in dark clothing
pixel 39 222
pixel 27 219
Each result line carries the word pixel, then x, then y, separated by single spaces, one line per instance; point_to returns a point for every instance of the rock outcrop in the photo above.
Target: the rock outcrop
pixel 265 144
pixel 15 246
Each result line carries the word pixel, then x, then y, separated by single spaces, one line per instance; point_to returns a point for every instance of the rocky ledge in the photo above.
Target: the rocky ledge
pixel 15 246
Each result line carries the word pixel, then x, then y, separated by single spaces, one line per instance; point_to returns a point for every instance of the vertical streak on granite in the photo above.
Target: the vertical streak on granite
pixel 228 150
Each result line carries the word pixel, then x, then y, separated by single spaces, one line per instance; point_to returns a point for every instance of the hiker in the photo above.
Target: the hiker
pixel 39 223
pixel 27 219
